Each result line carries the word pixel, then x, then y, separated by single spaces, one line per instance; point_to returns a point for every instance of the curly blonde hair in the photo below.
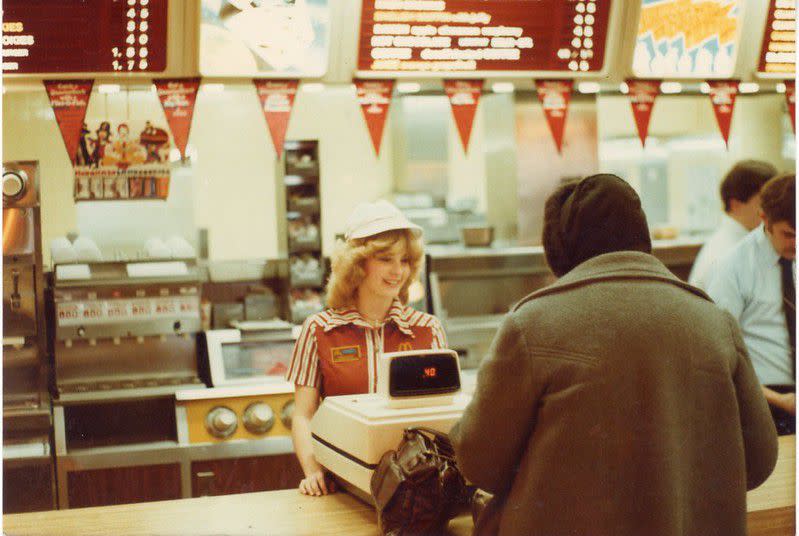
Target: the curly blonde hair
pixel 348 264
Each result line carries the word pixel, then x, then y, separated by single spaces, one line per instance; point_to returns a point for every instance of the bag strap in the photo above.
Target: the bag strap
pixel 440 440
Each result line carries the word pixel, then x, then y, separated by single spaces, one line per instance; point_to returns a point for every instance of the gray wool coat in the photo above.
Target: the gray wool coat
pixel 617 401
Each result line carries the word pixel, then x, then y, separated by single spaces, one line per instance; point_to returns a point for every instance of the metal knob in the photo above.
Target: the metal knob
pixel 14 183
pixel 287 413
pixel 259 418
pixel 221 422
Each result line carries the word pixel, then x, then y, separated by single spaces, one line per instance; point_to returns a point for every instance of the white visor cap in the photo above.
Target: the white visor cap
pixel 369 219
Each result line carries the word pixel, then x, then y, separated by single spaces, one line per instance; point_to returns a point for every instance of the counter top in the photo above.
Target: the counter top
pixel 771 511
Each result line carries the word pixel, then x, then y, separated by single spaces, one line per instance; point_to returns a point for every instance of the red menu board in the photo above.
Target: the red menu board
pixel 778 52
pixel 89 36
pixel 479 35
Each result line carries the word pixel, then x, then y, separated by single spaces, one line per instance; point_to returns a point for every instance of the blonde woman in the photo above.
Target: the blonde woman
pixel 367 296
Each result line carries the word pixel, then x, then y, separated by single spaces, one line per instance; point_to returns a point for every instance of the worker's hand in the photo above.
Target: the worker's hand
pixel 317 484
pixel 786 402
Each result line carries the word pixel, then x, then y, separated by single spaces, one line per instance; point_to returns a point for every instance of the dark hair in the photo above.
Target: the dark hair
pixel 745 180
pixel 583 219
pixel 778 199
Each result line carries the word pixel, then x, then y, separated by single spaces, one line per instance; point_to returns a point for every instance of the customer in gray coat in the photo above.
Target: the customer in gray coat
pixel 618 400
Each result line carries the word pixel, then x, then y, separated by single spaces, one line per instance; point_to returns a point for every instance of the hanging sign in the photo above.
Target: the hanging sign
pixel 642 99
pixel 790 99
pixel 374 96
pixel 177 98
pixel 555 96
pixel 124 161
pixel 277 99
pixel 464 96
pixel 722 95
pixel 69 100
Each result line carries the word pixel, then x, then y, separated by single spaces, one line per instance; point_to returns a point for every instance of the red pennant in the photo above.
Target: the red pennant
pixel 69 100
pixel 374 96
pixel 555 96
pixel 722 95
pixel 177 98
pixel 642 99
pixel 277 99
pixel 463 97
pixel 790 99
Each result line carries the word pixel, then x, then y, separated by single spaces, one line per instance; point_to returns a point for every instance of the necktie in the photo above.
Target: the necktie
pixel 789 304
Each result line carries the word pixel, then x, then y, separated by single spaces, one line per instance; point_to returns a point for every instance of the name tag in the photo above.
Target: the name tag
pixel 343 354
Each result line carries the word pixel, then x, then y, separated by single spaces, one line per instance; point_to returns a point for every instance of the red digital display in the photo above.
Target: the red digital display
pixel 430 372
pixel 778 51
pixel 84 36
pixel 483 35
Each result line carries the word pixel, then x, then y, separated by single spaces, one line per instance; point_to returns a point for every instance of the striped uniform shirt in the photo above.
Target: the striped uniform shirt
pixel 337 350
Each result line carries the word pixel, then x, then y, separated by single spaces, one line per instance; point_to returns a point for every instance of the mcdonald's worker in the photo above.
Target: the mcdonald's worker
pixel 367 314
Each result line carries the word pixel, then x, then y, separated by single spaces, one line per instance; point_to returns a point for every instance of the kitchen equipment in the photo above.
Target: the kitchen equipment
pixel 478 236
pixel 417 388
pixel 28 469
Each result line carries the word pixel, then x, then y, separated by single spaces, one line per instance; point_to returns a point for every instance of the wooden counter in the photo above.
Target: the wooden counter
pixel 771 512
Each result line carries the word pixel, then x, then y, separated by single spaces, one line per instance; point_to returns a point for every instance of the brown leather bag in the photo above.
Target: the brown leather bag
pixel 418 488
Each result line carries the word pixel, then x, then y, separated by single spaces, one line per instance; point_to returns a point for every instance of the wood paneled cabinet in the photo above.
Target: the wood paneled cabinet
pixel 243 475
pixel 121 485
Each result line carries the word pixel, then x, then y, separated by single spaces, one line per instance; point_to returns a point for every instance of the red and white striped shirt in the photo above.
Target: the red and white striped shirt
pixel 337 350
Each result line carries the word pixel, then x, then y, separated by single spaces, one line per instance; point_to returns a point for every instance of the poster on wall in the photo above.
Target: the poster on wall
pixel 69 100
pixel 128 160
pixel 277 100
pixel 463 95
pixel 374 96
pixel 177 98
pixel 642 99
pixel 722 95
pixel 687 39
pixel 264 38
pixel 555 96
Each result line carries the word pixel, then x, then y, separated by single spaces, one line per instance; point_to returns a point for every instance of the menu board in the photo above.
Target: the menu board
pixel 687 39
pixel 479 35
pixel 778 52
pixel 90 36
pixel 264 38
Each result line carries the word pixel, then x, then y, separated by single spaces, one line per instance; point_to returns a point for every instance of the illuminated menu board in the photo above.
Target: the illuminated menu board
pixel 86 36
pixel 480 35
pixel 778 53
pixel 687 39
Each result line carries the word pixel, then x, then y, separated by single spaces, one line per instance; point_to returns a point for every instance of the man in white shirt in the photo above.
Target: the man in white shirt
pixel 756 283
pixel 740 192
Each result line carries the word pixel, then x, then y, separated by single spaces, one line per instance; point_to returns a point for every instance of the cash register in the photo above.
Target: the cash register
pixel 350 433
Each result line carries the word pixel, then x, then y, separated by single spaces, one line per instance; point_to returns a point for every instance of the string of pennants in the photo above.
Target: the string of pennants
pixel 69 100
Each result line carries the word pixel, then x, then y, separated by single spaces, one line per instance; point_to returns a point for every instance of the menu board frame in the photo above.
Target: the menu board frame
pixel 613 42
pixel 176 62
pixel 763 43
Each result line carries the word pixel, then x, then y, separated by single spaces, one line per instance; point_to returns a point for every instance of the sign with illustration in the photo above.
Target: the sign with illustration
pixel 121 161
pixel 69 99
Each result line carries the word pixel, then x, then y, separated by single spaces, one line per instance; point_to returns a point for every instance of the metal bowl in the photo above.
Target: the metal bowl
pixel 477 236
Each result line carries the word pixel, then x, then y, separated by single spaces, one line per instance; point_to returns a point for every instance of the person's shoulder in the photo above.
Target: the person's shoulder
pixel 415 317
pixel 742 255
pixel 320 319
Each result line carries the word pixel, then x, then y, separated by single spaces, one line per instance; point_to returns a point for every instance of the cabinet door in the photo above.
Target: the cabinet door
pixel 121 485
pixel 243 475
pixel 28 488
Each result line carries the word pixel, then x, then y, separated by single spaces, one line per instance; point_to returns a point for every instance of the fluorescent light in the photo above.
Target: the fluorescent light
pixel 780 87
pixel 408 87
pixel 704 87
pixel 108 88
pixel 313 87
pixel 213 88
pixel 748 87
pixel 502 87
pixel 624 88
pixel 588 87
pixel 670 88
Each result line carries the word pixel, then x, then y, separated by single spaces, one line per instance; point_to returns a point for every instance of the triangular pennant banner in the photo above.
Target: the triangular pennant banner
pixel 642 99
pixel 722 95
pixel 464 95
pixel 555 96
pixel 374 96
pixel 69 99
pixel 177 97
pixel 277 99
pixel 790 99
